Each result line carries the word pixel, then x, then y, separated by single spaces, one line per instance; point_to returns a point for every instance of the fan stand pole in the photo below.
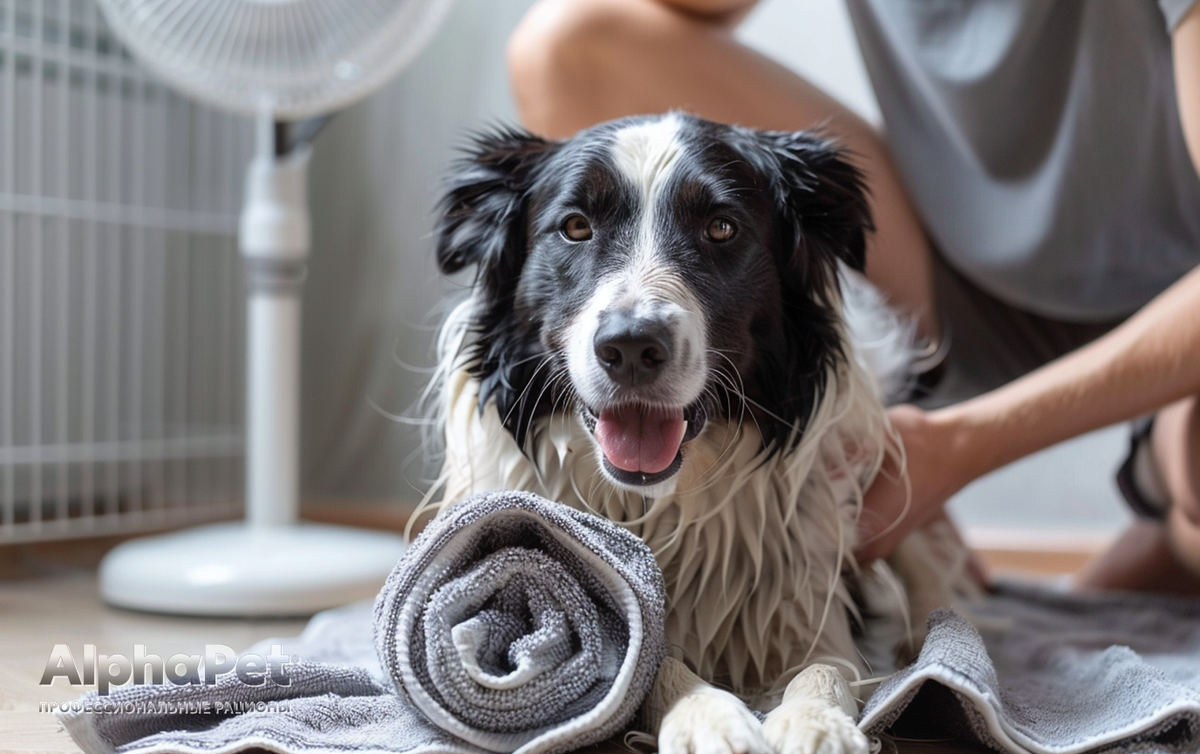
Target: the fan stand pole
pixel 274 236
pixel 271 564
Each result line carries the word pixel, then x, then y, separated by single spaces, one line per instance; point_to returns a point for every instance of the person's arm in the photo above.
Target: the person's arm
pixel 1150 361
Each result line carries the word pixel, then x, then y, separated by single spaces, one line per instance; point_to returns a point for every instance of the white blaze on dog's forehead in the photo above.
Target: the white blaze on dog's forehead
pixel 647 283
pixel 646 153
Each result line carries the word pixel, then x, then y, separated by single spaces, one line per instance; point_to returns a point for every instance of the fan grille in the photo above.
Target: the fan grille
pixel 289 58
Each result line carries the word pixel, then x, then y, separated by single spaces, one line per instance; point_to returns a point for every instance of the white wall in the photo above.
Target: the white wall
pixel 374 296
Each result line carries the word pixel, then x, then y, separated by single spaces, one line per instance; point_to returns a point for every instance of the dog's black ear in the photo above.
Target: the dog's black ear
pixel 822 218
pixel 482 215
pixel 824 197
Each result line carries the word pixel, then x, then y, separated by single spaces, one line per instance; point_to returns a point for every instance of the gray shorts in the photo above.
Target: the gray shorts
pixel 993 343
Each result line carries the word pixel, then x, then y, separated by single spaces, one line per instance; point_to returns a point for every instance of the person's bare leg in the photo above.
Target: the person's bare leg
pixel 1141 560
pixel 1161 557
pixel 1176 442
pixel 575 63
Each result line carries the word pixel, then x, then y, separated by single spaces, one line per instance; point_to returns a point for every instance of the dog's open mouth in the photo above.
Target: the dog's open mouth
pixel 643 445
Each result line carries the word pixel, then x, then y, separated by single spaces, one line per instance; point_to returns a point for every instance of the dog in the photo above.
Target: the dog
pixel 668 326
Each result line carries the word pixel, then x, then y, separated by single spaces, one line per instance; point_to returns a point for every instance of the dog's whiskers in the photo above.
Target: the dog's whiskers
pixel 739 391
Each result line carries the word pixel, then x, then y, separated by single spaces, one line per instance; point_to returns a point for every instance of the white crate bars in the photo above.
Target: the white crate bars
pixel 121 300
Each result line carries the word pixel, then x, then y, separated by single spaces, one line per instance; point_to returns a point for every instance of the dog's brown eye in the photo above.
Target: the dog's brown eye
pixel 720 229
pixel 577 228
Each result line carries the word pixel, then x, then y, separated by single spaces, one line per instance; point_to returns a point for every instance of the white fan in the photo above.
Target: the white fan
pixel 288 63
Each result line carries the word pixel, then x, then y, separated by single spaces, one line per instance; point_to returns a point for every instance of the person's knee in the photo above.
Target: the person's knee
pixel 1177 451
pixel 1183 536
pixel 573 63
pixel 551 32
pixel 554 53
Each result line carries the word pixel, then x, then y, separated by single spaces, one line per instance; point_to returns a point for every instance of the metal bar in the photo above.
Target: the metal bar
pixel 115 312
pixel 37 250
pixel 91 193
pixel 158 395
pixel 183 301
pixel 211 346
pixel 231 371
pixel 211 396
pixel 112 212
pixel 138 294
pixel 113 65
pixel 63 365
pixel 124 451
pixel 119 524
pixel 164 147
pixel 230 486
pixel 8 279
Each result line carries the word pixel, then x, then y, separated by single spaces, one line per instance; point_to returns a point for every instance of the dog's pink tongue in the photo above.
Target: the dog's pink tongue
pixel 640 439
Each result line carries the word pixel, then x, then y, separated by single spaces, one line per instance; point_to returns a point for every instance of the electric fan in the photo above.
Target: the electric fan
pixel 289 64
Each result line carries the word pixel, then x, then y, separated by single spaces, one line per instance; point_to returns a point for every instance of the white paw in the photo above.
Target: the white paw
pixel 813 727
pixel 711 721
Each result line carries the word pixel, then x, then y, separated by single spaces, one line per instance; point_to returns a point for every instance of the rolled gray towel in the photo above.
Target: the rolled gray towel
pixel 517 623
pixel 511 624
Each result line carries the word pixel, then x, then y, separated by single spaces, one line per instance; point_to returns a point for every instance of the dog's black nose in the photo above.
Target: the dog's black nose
pixel 632 349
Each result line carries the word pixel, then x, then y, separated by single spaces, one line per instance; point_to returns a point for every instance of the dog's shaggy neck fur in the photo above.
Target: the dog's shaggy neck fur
pixel 753 543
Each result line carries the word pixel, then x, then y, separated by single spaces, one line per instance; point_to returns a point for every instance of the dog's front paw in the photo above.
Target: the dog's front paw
pixel 711 721
pixel 812 726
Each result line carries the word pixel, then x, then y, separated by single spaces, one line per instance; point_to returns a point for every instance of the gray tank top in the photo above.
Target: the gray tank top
pixel 1041 143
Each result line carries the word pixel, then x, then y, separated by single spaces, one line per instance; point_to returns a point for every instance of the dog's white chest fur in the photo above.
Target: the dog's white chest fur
pixel 752 545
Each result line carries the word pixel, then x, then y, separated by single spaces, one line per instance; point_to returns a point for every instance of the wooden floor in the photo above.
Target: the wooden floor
pixel 48 596
pixel 42 605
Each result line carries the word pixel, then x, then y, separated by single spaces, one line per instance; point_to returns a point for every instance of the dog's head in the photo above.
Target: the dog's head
pixel 653 273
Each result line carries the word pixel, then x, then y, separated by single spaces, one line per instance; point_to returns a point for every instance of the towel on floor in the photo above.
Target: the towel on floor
pixel 1042 671
pixel 511 624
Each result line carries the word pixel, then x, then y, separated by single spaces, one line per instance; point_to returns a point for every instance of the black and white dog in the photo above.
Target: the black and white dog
pixel 666 328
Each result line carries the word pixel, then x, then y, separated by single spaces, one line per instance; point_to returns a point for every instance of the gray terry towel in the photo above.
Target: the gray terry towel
pixel 511 624
pixel 1053 673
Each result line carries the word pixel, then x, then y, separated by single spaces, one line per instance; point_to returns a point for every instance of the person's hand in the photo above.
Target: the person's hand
pixel 903 499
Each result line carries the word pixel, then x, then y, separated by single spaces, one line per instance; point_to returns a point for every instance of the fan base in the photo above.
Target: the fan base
pixel 232 569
